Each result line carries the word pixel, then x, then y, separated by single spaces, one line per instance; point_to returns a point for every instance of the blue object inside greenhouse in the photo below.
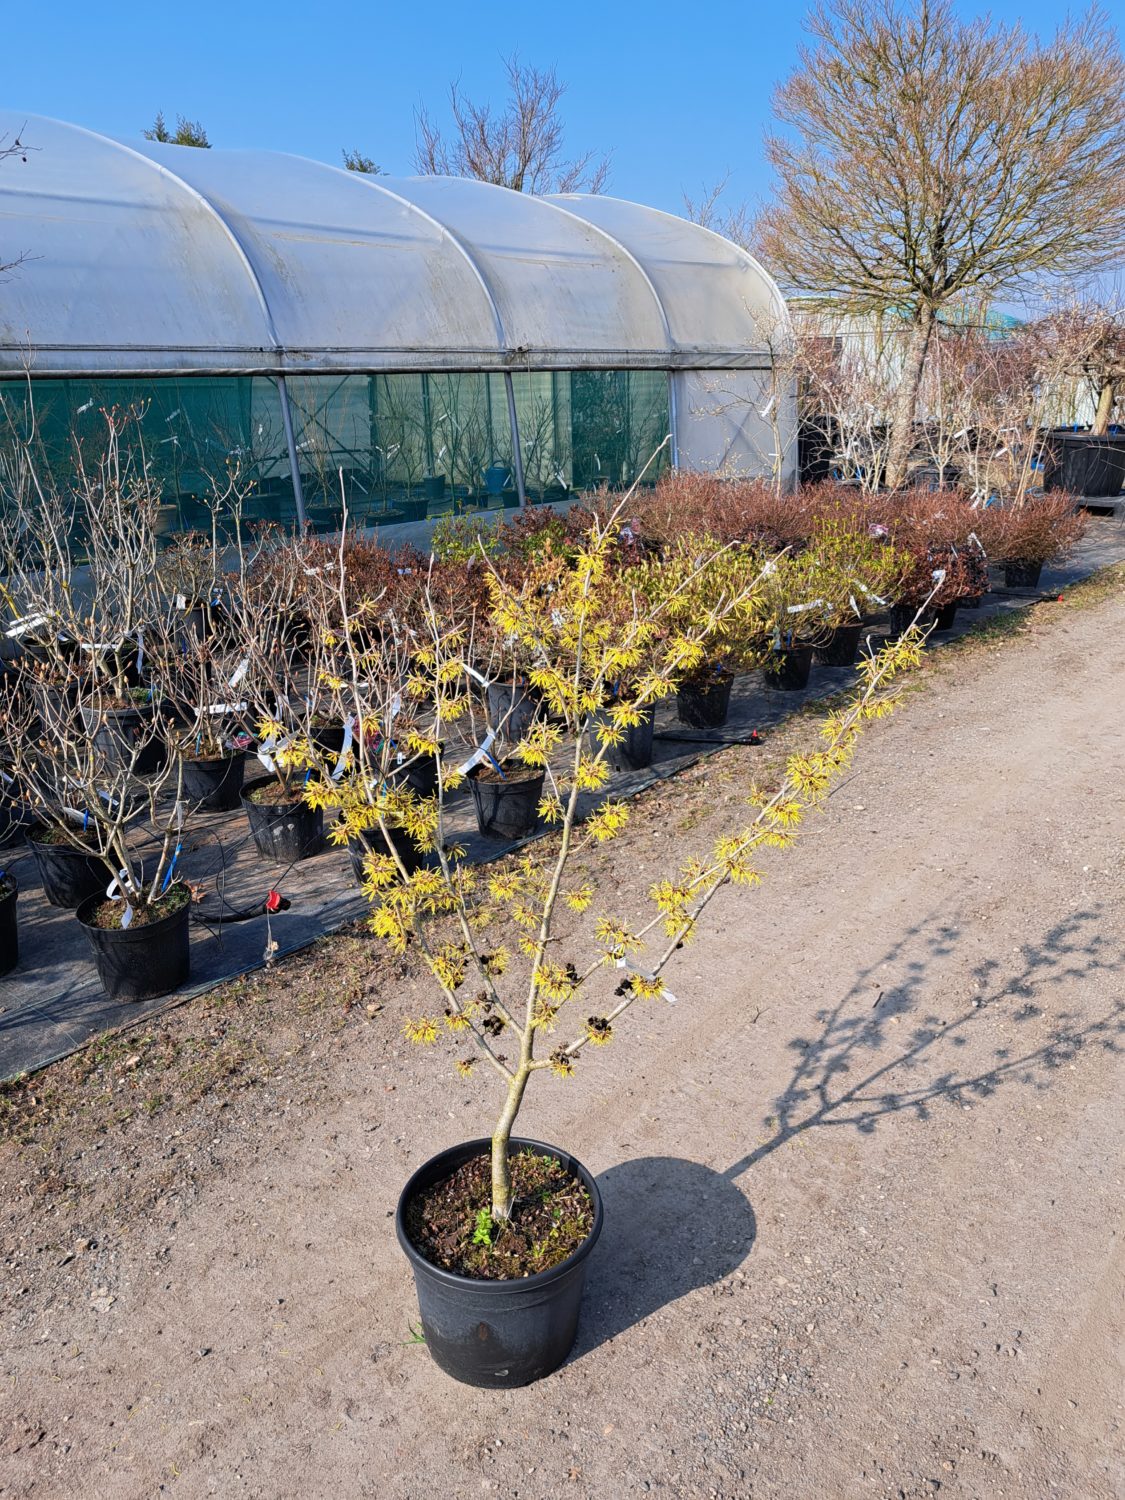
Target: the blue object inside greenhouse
pixel 392 447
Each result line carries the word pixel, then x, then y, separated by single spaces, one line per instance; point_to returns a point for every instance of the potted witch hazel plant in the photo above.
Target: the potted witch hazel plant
pixel 532 971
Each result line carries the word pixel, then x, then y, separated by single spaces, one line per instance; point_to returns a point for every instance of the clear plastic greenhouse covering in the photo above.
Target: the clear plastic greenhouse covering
pixel 371 337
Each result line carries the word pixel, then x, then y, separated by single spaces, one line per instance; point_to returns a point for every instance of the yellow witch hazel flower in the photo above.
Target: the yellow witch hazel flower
pixel 607 821
pixel 423 1031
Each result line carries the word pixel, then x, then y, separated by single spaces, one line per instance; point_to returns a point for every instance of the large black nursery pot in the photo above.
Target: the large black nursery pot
pixel 394 841
pixel 841 646
pixel 68 874
pixel 1085 465
pixel 507 809
pixel 139 962
pixel 215 782
pixel 119 733
pixel 788 668
pixel 902 617
pixel 705 703
pixel 945 615
pixel 9 932
pixel 1022 575
pixel 511 708
pixel 498 1334
pixel 634 751
pixel 419 772
pixel 282 831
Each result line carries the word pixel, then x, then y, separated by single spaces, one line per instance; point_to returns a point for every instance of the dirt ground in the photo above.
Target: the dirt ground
pixel 862 1183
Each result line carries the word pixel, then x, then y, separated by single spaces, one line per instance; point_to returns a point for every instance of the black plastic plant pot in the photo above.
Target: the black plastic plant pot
pixel 433 486
pixel 1092 467
pixel 945 615
pixel 498 1334
pixel 373 841
pixel 788 670
pixel 9 932
pixel 902 617
pixel 511 709
pixel 705 704
pixel 413 509
pixel 634 751
pixel 841 647
pixel 329 738
pixel 1022 575
pixel 14 819
pixel 121 733
pixel 69 875
pixel 507 809
pixel 283 832
pixel 215 783
pixel 419 773
pixel 139 962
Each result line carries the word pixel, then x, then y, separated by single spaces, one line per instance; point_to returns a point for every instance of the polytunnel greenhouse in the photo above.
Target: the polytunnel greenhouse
pixel 406 347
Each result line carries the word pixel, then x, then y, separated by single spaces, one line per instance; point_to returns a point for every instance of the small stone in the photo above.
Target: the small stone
pixel 134 1061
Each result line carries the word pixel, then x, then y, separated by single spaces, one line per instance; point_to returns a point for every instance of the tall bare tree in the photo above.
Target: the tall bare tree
pixel 519 146
pixel 927 157
pixel 187 132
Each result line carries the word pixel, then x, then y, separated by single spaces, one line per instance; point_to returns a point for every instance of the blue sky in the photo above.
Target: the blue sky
pixel 676 94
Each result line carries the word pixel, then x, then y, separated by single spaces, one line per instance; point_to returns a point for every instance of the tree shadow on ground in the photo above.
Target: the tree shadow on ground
pixel 673 1226
pixel 670 1226
pixel 880 1052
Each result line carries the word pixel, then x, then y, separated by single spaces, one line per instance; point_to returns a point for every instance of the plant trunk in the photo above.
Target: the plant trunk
pixel 501 1171
pixel 906 400
pixel 1104 409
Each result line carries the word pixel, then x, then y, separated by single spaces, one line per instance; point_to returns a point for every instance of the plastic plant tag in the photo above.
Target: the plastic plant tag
pixel 126 916
pixel 345 748
pixel 240 671
pixel 480 754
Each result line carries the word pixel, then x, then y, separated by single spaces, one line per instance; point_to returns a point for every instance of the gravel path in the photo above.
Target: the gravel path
pixel 863 1183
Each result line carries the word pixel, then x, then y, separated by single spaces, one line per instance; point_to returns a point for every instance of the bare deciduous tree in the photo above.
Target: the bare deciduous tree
pixel 927 157
pixel 519 147
pixel 734 221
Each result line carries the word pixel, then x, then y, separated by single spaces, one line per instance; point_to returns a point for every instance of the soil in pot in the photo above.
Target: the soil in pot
pixel 507 800
pixel 705 703
pixel 788 670
pixel 1022 575
pixel 69 875
pixel 841 647
pixel 634 751
pixel 149 957
pixel 9 932
pixel 215 782
pixel 282 826
pixel 510 1315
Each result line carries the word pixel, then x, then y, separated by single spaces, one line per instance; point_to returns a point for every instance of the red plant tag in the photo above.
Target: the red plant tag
pixel 273 901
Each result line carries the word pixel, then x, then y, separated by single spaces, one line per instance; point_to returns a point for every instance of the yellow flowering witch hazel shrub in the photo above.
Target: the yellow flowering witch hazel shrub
pixel 531 964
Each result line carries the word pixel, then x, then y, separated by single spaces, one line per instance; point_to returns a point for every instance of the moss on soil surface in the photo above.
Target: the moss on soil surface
pixel 551 1216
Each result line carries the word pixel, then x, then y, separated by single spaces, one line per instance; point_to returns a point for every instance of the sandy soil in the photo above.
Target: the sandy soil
pixel 862 1184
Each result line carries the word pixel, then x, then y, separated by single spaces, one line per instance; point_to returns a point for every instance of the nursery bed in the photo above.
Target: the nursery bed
pixel 52 1003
